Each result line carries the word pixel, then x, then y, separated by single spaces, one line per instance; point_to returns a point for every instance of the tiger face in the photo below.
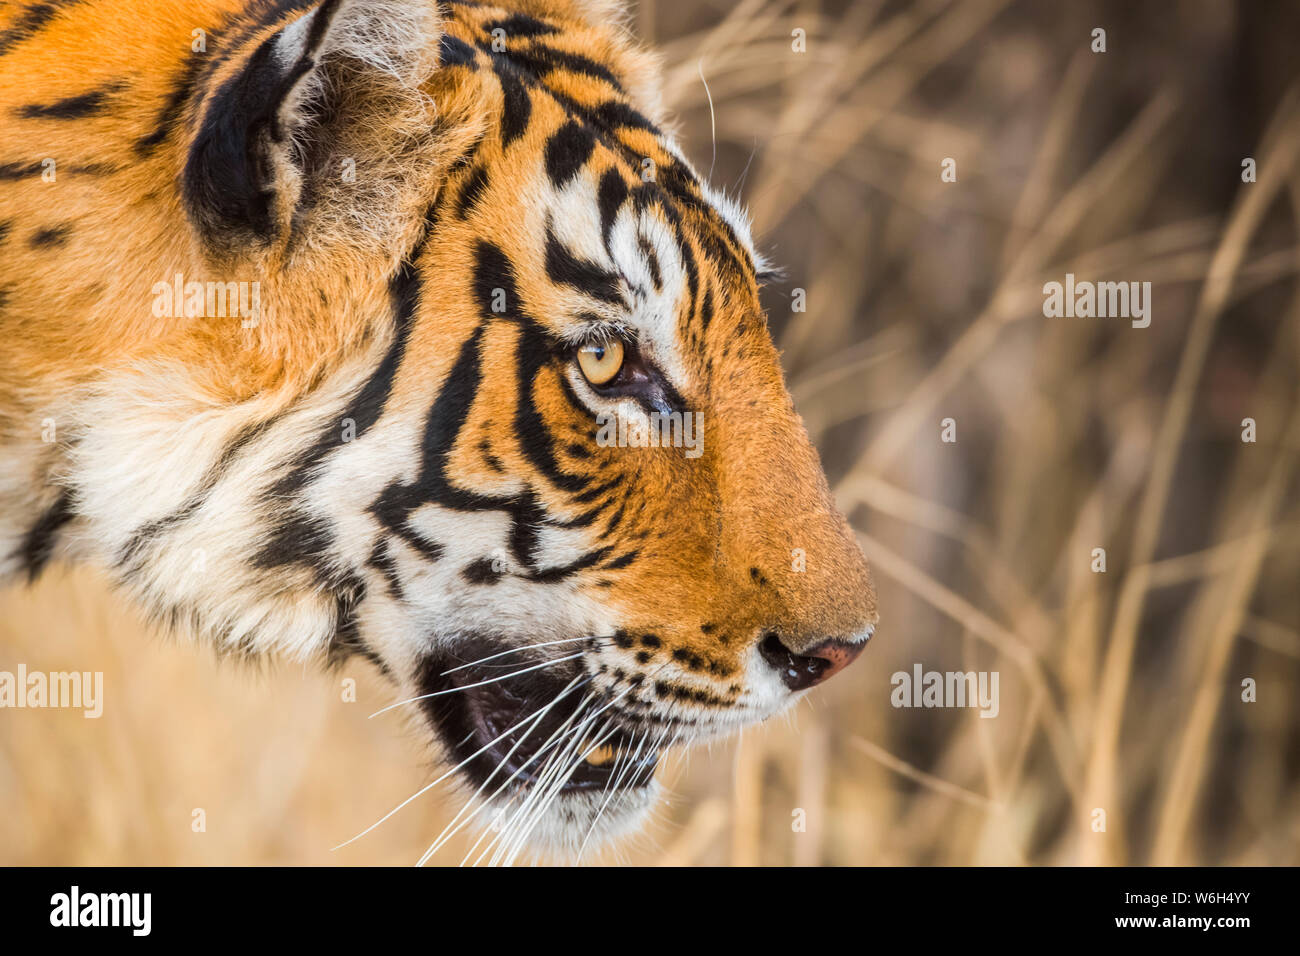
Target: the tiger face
pixel 540 466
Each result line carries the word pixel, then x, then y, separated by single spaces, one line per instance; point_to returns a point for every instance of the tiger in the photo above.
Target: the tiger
pixel 405 332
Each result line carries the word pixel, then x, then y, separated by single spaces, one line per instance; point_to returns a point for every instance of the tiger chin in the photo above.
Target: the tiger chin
pixel 314 316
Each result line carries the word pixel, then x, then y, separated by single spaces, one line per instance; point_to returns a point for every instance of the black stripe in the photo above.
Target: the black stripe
pixel 723 247
pixel 482 571
pixel 300 539
pixel 611 196
pixel 616 114
pixel 472 190
pixel 453 51
pixel 516 107
pixel 564 268
pixel 381 559
pixel 49 237
pixel 681 185
pixel 31 22
pixel 584 519
pixel 73 107
pixel 169 116
pixel 597 119
pixel 431 551
pixel 673 179
pixel 520 25
pixel 540 59
pixel 525 528
pixel 588 560
pixel 16 171
pixel 652 262
pixel 150 530
pixel 623 561
pixel 706 309
pixel 368 405
pixel 493 273
pixel 373 397
pixel 38 545
pixel 593 493
pixel 615 520
pixel 12 171
pixel 567 150
pixel 446 418
pixel 346 641
pixel 692 273
pixel 534 351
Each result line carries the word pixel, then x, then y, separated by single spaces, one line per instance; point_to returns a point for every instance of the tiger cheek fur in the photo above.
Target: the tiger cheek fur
pixel 431 216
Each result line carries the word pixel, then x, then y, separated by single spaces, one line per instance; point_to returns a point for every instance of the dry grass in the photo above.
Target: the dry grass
pixel 1119 691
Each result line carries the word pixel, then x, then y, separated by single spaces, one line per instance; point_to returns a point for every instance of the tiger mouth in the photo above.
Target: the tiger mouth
pixel 508 731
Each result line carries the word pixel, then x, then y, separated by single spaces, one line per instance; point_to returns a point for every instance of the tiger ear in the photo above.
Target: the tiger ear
pixel 270 127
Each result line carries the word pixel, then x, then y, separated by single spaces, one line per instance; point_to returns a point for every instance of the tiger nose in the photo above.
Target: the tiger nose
pixel 811 666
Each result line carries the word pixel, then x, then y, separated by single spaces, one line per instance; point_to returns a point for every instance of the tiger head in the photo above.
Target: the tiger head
pixel 547 475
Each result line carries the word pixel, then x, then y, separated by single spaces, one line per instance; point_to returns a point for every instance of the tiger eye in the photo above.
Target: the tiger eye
pixel 600 362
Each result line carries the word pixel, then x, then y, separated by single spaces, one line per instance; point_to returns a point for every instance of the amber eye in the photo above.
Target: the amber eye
pixel 600 362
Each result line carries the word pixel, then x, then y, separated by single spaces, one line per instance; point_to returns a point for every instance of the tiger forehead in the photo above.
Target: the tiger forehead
pixel 575 207
pixel 572 109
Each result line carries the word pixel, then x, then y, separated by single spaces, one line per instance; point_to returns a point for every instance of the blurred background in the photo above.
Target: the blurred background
pixel 1120 691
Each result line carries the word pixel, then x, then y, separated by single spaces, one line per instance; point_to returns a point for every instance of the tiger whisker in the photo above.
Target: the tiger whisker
pixel 487 802
pixel 611 788
pixel 554 792
pixel 713 121
pixel 550 797
pixel 554 762
pixel 482 683
pixel 563 770
pixel 447 832
pixel 453 770
pixel 557 769
pixel 516 650
pixel 551 771
pixel 658 744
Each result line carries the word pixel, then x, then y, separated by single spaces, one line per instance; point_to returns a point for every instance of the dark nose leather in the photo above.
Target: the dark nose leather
pixel 811 666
